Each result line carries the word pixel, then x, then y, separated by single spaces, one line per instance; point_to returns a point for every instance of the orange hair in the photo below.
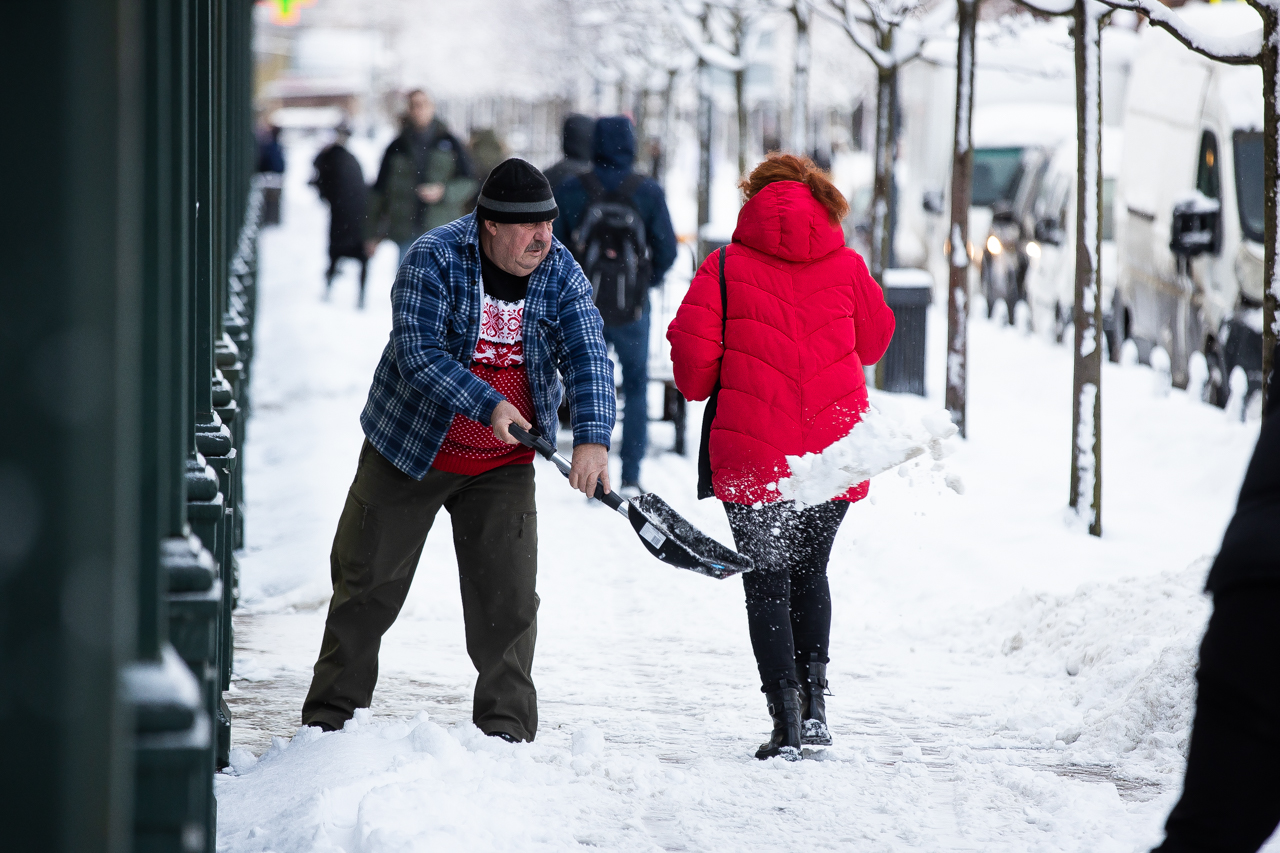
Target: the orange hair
pixel 788 167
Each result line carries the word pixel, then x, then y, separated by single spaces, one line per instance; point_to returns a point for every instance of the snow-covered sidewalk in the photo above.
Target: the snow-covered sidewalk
pixel 1002 680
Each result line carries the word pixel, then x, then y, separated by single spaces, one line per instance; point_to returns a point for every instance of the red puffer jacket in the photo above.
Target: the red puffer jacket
pixel 804 316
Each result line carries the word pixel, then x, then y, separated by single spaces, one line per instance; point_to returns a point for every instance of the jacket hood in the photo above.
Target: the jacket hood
pixel 615 142
pixel 786 221
pixel 579 136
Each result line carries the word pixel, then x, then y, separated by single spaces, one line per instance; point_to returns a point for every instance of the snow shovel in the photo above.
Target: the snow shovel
pixel 662 530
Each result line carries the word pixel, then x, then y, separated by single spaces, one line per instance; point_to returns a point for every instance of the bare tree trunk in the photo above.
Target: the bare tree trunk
pixel 799 142
pixel 666 143
pixel 704 154
pixel 740 90
pixel 882 189
pixel 1086 405
pixel 961 194
pixel 1271 192
pixel 744 132
pixel 885 108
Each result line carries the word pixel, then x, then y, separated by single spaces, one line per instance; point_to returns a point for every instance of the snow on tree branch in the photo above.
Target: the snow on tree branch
pixel 1238 49
pixel 1049 7
pixel 692 25
pixel 883 17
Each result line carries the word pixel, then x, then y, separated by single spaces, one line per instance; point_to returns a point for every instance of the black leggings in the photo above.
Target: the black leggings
pixel 1231 796
pixel 788 599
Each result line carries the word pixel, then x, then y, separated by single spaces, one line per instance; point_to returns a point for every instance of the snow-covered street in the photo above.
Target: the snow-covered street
pixel 1001 679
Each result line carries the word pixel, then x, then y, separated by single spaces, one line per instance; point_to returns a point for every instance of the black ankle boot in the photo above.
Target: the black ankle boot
pixel 784 707
pixel 813 702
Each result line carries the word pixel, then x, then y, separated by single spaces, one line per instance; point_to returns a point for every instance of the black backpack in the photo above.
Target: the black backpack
pixel 610 245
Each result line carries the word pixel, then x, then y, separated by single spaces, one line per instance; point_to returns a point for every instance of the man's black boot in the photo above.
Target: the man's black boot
pixel 813 701
pixel 784 707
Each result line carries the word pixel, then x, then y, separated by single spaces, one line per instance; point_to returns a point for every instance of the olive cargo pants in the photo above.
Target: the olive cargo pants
pixel 375 552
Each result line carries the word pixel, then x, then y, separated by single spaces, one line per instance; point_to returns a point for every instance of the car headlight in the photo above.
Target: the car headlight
pixel 1033 249
pixel 993 245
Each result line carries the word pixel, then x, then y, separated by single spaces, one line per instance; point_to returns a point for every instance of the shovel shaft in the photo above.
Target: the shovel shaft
pixel 538 442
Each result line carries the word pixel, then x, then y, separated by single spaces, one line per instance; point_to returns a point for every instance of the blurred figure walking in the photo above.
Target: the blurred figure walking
pixel 577 141
pixel 487 150
pixel 617 224
pixel 1231 795
pixel 270 168
pixel 776 328
pixel 339 180
pixel 424 181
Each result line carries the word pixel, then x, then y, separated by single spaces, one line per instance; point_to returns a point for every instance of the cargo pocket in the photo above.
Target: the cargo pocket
pixel 355 548
pixel 527 527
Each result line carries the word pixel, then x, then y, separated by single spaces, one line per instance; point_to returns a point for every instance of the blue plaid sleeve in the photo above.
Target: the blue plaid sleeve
pixel 421 317
pixel 584 362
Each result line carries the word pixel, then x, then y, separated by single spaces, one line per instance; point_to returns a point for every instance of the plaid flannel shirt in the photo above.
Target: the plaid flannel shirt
pixel 424 377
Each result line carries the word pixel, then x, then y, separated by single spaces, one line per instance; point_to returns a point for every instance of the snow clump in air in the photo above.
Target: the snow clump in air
pixel 876 444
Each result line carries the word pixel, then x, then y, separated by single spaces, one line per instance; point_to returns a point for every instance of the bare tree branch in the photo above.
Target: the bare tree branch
pixel 1242 49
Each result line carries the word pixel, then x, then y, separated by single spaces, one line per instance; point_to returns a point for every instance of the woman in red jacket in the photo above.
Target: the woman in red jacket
pixel 786 342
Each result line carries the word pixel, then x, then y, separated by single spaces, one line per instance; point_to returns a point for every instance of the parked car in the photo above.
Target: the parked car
pixel 1051 254
pixel 1013 144
pixel 1190 194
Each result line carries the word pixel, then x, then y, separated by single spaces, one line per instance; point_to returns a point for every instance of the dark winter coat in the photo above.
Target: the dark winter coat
pixel 578 141
pixel 1249 552
pixel 340 181
pixel 614 147
pixel 434 156
pixel 804 316
pixel 270 152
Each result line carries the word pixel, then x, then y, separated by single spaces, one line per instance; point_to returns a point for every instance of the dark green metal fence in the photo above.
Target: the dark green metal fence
pixel 130 220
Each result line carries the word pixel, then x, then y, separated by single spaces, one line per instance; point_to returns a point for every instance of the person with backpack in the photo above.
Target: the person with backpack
pixel 617 224
pixel 775 330
pixel 577 140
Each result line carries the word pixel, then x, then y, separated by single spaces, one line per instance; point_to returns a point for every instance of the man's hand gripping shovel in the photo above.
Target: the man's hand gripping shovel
pixel 662 530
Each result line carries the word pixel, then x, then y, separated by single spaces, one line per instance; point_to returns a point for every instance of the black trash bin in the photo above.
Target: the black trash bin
pixel 908 292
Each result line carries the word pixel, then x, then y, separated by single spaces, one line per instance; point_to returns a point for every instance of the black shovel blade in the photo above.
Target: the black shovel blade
pixel 678 543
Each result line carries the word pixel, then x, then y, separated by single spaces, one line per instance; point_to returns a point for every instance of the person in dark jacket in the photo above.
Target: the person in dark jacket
pixel 614 152
pixel 1231 794
pixel 270 169
pixel 340 182
pixel 577 142
pixel 425 180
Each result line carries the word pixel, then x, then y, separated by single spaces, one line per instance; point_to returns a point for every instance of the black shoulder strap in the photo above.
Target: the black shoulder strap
pixel 629 185
pixel 591 183
pixel 724 297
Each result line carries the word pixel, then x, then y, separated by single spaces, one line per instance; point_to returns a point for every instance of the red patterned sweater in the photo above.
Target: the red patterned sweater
pixel 470 447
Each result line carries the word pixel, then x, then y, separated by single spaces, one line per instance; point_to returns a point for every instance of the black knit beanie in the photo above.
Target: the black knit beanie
pixel 516 191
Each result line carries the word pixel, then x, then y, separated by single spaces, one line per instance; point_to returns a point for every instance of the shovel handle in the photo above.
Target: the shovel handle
pixel 536 440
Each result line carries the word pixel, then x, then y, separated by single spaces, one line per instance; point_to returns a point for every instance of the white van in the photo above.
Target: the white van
pixel 1193 140
pixel 1051 271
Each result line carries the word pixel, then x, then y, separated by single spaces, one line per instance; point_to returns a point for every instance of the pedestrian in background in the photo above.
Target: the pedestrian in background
pixel 463 364
pixel 778 326
pixel 577 140
pixel 487 150
pixel 1231 794
pixel 619 228
pixel 270 169
pixel 424 181
pixel 339 180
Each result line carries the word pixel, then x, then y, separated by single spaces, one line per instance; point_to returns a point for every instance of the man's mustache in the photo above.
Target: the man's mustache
pixel 536 246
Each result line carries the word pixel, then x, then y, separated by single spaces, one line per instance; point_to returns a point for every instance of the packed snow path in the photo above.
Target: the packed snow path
pixel 1001 680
